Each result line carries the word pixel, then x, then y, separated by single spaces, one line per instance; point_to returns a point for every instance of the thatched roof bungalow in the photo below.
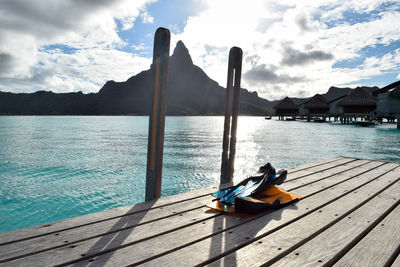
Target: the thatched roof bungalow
pixel 317 105
pixel 286 107
pixel 388 103
pixel 357 102
pixel 334 109
pixel 395 92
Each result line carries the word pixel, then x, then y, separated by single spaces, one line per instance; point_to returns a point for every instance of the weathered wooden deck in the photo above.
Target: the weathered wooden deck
pixel 349 216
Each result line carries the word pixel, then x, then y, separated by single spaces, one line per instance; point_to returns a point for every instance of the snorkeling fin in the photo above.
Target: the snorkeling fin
pixel 253 185
pixel 248 186
pixel 236 188
pixel 271 198
pixel 275 179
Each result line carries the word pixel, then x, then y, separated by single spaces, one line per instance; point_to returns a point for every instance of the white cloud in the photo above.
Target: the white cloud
pixel 147 18
pixel 139 46
pixel 347 40
pixel 87 27
pixel 334 10
pixel 85 70
pixel 21 50
pixel 289 47
pixel 268 31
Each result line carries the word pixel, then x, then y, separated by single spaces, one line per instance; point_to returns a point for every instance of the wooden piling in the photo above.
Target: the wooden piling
pixel 231 113
pixel 155 147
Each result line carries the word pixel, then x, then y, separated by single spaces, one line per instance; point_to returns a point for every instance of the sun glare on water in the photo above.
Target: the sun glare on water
pixel 248 150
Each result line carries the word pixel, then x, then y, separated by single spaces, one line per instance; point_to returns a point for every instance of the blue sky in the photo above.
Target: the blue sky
pixel 295 48
pixel 169 14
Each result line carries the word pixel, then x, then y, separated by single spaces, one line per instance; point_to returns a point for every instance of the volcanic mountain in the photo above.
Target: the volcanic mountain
pixel 190 91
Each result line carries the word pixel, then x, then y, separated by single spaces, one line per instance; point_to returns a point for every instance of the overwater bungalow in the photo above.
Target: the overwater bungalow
pixel 388 104
pixel 286 108
pixel 334 110
pixel 316 108
pixel 357 104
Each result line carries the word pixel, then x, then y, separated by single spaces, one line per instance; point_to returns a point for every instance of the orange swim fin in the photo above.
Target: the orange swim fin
pixel 271 198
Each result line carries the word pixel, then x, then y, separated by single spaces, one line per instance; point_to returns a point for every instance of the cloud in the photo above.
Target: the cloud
pixel 348 40
pixel 83 70
pixel 88 33
pixel 306 24
pixel 140 46
pixel 302 40
pixel 289 48
pixel 19 52
pixel 292 57
pixel 253 60
pixel 57 21
pixel 147 18
pixel 387 62
pixel 335 10
pixel 6 63
pixel 27 84
pixel 263 74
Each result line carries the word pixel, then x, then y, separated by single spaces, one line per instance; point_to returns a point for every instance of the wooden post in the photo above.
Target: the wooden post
pixel 155 146
pixel 231 110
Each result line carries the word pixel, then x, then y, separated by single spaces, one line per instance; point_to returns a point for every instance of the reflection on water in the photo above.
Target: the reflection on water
pixel 52 168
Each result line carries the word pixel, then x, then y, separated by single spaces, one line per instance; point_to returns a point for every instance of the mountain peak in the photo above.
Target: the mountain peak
pixel 181 48
pixel 181 54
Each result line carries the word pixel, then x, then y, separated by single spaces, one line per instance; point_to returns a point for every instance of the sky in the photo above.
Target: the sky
pixel 290 48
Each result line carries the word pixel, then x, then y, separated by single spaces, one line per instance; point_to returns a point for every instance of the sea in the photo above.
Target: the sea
pixel 58 167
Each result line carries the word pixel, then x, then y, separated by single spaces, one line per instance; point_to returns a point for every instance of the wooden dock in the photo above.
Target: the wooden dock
pixel 349 216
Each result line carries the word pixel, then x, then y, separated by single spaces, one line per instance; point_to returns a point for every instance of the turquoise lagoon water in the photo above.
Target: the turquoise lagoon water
pixel 52 168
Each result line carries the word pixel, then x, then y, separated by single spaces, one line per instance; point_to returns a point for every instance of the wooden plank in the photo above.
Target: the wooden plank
pixel 254 230
pixel 204 235
pixel 46 242
pixel 349 168
pixel 342 234
pixel 313 164
pixel 318 168
pixel 99 217
pixel 276 243
pixel 314 183
pixel 380 160
pixel 378 245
